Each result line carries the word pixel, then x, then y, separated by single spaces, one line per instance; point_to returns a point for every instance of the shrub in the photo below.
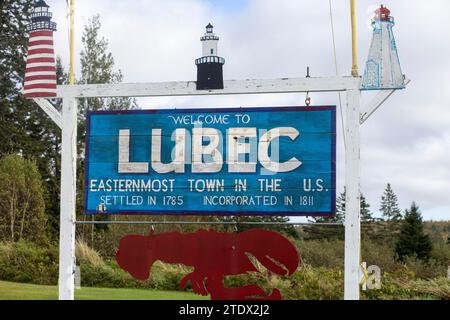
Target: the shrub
pixel 322 253
pixel 87 255
pixel 168 276
pixel 441 252
pixel 437 288
pixel 412 279
pixel 26 262
pixel 425 269
pixel 376 254
pixel 314 283
pixel 404 288
pixel 305 283
pixel 105 276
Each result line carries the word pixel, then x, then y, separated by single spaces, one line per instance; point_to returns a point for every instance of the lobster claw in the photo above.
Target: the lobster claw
pixel 134 255
pixel 271 249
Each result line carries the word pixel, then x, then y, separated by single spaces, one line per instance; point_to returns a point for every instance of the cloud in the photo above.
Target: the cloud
pixel 406 142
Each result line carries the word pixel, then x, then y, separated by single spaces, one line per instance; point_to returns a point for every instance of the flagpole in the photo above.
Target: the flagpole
pixel 72 27
pixel 354 47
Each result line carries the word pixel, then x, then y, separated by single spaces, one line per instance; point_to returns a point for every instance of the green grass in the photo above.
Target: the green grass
pixel 24 291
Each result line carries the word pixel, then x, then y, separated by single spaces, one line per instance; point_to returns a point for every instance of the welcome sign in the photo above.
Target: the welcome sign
pixel 230 161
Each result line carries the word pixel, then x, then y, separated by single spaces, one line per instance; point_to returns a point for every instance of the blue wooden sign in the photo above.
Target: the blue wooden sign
pixel 239 161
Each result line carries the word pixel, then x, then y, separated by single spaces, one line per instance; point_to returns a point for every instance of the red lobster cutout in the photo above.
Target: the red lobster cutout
pixel 213 255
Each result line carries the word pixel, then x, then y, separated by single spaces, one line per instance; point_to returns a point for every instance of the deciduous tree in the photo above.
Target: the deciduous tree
pixel 22 208
pixel 97 67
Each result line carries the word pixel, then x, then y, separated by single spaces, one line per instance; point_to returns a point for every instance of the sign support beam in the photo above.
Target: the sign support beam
pixel 188 88
pixel 377 101
pixel 68 193
pixel 50 110
pixel 352 197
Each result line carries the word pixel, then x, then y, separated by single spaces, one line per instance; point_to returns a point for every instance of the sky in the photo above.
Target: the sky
pixel 406 142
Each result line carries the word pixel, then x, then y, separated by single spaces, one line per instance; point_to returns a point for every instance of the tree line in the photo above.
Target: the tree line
pixel 403 231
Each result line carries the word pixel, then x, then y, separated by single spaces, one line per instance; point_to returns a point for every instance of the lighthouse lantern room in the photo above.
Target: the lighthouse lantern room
pixel 40 18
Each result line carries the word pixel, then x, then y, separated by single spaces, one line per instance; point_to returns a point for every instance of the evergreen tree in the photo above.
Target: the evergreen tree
pixel 366 214
pixel 340 208
pixel 390 211
pixel 24 128
pixel 14 109
pixel 328 231
pixel 336 231
pixel 389 205
pixel 412 240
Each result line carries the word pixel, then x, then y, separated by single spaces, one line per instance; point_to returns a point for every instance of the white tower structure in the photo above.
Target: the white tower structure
pixel 209 66
pixel 383 69
pixel 209 42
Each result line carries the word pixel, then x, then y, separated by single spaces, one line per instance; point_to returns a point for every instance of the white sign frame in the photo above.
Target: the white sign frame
pixel 67 121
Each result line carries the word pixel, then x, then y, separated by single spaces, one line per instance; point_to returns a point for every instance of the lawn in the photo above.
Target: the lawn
pixel 25 291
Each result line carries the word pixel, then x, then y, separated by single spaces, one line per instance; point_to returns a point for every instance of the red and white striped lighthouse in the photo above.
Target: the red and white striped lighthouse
pixel 40 73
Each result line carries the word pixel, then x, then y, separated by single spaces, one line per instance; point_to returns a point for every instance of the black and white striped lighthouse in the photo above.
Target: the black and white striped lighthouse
pixel 209 66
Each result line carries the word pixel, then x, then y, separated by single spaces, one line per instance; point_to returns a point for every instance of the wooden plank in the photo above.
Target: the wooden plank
pixel 188 88
pixel 376 102
pixel 352 195
pixel 50 110
pixel 68 192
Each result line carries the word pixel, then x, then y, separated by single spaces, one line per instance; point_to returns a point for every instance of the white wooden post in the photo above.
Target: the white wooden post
pixel 352 195
pixel 68 192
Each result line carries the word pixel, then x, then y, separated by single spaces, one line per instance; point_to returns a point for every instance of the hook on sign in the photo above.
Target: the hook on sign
pixel 308 98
